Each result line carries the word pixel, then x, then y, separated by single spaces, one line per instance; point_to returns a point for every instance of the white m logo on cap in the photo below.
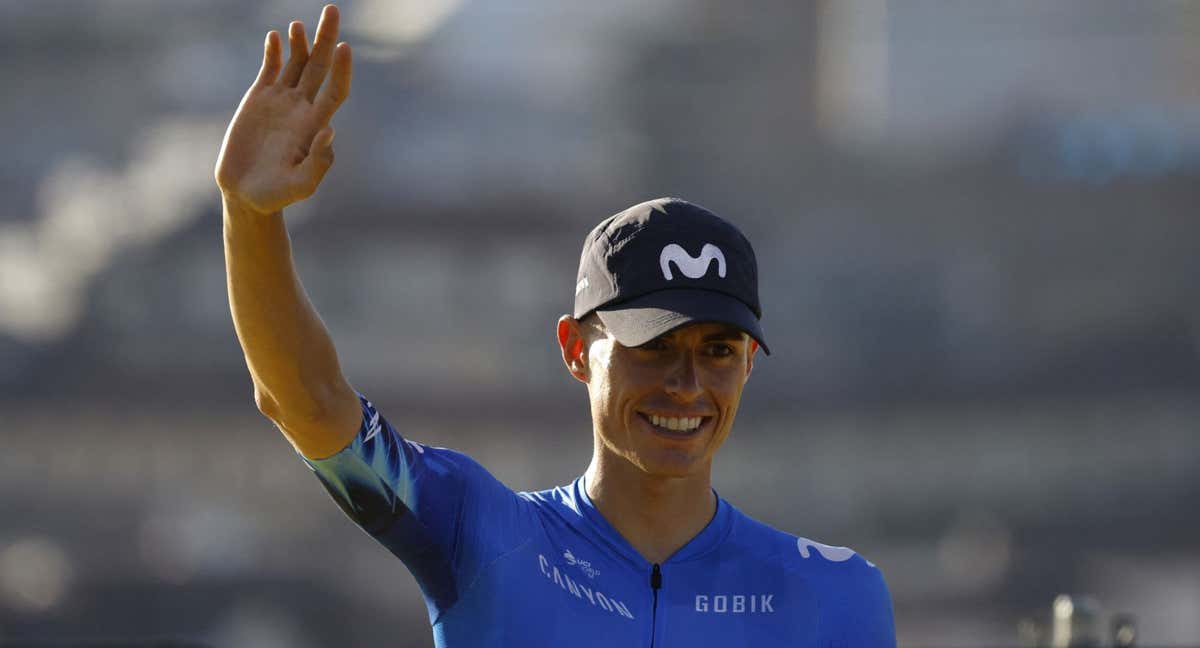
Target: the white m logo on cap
pixel 693 267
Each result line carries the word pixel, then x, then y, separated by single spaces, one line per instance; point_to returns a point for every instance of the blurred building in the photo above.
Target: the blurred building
pixel 975 227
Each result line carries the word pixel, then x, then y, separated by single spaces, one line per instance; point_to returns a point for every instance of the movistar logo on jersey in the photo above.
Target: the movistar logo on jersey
pixel 582 592
pixel 832 554
pixel 692 267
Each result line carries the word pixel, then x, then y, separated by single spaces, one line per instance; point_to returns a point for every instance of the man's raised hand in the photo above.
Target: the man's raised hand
pixel 280 144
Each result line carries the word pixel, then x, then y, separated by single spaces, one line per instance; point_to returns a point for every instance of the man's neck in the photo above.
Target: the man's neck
pixel 657 515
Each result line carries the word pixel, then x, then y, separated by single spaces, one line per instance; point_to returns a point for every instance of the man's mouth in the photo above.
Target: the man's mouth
pixel 675 426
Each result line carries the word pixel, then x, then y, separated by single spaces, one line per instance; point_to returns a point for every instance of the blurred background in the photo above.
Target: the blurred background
pixel 977 232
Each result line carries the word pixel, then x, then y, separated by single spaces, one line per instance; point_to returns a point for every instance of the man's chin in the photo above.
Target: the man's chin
pixel 670 465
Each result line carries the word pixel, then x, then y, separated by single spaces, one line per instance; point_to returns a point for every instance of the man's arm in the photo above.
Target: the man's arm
pixel 276 151
pixel 436 509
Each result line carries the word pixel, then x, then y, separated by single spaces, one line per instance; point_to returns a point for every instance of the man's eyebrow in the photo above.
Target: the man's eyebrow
pixel 725 334
pixel 729 333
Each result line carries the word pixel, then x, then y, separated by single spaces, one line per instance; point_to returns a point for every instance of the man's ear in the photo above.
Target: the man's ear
pixel 752 349
pixel 574 347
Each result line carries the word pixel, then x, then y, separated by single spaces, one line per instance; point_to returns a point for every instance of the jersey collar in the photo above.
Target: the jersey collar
pixel 709 538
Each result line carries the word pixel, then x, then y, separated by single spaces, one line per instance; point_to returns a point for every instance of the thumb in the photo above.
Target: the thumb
pixel 320 157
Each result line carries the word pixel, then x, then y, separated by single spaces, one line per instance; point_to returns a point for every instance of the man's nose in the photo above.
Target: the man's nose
pixel 682 382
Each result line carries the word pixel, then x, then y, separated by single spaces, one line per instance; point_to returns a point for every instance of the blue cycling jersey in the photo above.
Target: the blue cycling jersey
pixel 546 570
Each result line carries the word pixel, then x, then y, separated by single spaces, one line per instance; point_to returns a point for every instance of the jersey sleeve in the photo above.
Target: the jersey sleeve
pixel 863 609
pixel 438 510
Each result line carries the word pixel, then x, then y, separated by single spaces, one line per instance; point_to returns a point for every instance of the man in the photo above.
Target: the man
pixel 639 550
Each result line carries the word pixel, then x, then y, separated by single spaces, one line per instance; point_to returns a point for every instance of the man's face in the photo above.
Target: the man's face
pixel 666 406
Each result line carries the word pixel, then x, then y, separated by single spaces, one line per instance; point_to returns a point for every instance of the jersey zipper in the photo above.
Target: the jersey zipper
pixel 655 584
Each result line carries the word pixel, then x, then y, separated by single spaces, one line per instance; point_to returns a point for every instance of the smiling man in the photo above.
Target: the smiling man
pixel 639 550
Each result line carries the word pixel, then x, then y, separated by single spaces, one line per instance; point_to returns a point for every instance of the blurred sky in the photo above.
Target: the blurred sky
pixel 975 224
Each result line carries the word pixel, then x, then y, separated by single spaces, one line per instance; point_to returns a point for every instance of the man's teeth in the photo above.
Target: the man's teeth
pixel 673 423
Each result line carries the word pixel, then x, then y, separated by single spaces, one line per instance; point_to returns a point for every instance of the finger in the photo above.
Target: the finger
pixel 320 157
pixel 272 60
pixel 337 89
pixel 298 54
pixel 322 53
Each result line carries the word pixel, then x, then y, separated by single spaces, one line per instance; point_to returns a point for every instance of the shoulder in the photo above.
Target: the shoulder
pixel 560 499
pixel 854 598
pixel 831 568
pixel 793 551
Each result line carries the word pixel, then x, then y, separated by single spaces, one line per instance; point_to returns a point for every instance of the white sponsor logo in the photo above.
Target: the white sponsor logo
pixel 832 554
pixel 735 603
pixel 693 267
pixel 373 426
pixel 584 566
pixel 581 286
pixel 582 592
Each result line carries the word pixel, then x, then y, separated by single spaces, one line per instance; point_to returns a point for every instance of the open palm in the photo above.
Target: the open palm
pixel 279 144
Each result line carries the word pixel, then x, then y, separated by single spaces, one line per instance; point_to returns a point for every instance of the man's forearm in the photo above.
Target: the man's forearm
pixel 291 357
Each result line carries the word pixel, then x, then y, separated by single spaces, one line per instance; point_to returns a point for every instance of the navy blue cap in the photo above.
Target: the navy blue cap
pixel 665 263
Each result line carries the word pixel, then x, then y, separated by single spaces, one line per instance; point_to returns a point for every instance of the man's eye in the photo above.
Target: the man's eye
pixel 720 350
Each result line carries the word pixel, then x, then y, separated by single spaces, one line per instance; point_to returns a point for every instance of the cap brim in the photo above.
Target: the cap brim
pixel 639 320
